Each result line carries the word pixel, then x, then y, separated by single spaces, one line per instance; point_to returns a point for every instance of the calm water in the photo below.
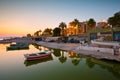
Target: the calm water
pixel 62 65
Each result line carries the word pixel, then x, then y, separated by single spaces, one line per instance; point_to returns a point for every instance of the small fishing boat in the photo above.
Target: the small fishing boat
pixel 37 61
pixel 18 46
pixel 39 55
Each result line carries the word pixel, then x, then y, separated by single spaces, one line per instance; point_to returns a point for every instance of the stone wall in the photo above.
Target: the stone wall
pixel 106 43
pixel 97 49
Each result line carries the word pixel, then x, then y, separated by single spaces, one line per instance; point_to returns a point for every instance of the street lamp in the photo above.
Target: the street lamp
pixel 111 31
pixel 75 29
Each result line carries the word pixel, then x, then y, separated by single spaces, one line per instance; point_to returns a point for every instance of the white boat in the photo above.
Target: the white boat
pixel 37 61
pixel 39 55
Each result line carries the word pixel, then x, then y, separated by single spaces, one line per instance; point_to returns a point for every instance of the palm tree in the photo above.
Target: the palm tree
pixel 90 63
pixel 62 25
pixel 37 33
pixel 62 58
pixel 75 24
pixel 76 59
pixel 56 52
pixel 37 47
pixel 91 24
pixel 40 32
pixel 47 32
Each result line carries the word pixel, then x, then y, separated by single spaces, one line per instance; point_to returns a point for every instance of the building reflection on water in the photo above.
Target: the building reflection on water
pixel 59 57
pixel 111 66
pixel 75 58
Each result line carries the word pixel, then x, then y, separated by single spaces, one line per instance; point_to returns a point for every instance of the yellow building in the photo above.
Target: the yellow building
pixel 77 30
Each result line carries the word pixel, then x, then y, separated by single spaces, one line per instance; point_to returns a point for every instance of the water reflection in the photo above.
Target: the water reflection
pixel 56 52
pixel 37 47
pixel 62 58
pixel 111 66
pixel 89 62
pixel 75 58
pixel 34 62
pixel 61 63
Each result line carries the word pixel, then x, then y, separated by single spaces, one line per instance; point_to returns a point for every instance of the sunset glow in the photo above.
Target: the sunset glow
pixel 20 17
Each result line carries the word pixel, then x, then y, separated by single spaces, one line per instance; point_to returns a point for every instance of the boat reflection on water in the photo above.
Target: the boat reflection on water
pixel 37 61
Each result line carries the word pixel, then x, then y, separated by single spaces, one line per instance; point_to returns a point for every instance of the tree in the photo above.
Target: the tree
pixel 56 31
pixel 40 31
pixel 75 61
pixel 62 25
pixel 76 25
pixel 29 35
pixel 37 46
pixel 56 52
pixel 62 58
pixel 91 24
pixel 90 63
pixel 37 33
pixel 47 31
pixel 115 20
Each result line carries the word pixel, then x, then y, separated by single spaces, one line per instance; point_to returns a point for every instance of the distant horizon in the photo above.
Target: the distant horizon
pixel 21 35
pixel 6 37
pixel 21 17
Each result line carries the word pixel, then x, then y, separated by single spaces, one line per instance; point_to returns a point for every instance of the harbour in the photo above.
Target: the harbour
pixel 61 65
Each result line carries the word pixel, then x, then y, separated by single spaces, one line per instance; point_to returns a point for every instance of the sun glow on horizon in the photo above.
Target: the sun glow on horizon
pixel 15 31
pixel 22 17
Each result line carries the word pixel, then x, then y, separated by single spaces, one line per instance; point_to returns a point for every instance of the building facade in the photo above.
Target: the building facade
pixel 77 30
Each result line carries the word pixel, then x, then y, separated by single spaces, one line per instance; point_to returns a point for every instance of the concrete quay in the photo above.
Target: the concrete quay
pixel 76 48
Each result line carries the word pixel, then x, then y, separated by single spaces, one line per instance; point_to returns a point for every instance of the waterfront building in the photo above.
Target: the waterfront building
pixel 77 30
pixel 102 24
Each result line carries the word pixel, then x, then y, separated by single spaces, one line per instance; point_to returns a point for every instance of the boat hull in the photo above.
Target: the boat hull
pixel 37 61
pixel 18 46
pixel 36 56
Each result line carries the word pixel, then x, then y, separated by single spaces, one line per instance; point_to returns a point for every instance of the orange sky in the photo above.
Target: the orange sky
pixel 20 17
pixel 14 28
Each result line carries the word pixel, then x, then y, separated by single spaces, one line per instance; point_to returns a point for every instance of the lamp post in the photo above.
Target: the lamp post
pixel 75 29
pixel 111 31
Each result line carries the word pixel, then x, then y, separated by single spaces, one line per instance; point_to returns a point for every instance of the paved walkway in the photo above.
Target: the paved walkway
pixel 73 47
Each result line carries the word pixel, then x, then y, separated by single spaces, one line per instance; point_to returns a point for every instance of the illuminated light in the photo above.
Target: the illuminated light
pixel 71 54
pixel 104 20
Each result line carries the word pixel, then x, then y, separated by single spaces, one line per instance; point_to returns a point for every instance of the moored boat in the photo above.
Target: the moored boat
pixel 18 46
pixel 39 55
pixel 37 61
